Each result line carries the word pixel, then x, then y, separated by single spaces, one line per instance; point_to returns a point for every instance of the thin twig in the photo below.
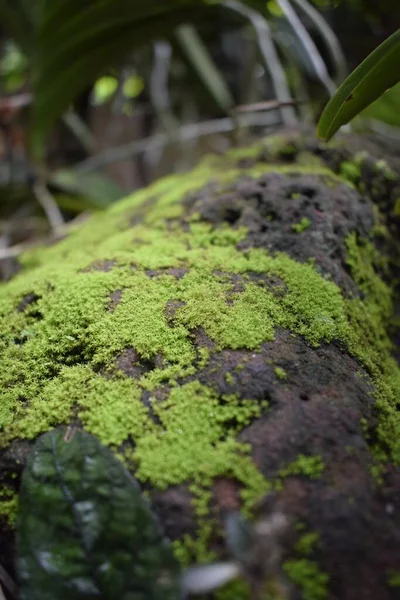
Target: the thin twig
pixel 269 56
pixel 204 66
pixel 7 582
pixel 49 206
pixel 80 130
pixel 328 35
pixel 263 106
pixel 308 45
pixel 159 92
pixel 183 134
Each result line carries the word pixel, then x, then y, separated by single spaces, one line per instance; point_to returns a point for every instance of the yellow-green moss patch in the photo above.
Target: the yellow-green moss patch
pixel 307 542
pixel 302 225
pixel 8 505
pixel 309 466
pixel 280 373
pixel 308 577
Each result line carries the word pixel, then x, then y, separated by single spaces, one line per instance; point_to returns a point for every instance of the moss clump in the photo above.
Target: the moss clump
pixel 307 542
pixel 280 373
pixel 48 361
pixel 307 576
pixel 302 225
pixel 370 318
pixel 396 209
pixel 393 579
pixel 237 590
pixel 309 466
pixel 8 505
pixel 195 549
pixel 383 168
pixel 195 444
pixel 229 378
pixel 350 171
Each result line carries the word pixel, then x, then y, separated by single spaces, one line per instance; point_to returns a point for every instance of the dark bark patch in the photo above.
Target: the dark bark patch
pixel 26 301
pixel 115 299
pixel 176 272
pixel 135 366
pixel 171 308
pixel 175 511
pixel 100 265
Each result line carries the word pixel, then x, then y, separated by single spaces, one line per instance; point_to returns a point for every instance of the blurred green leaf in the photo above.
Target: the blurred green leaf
pixel 274 8
pixel 378 72
pixel 13 67
pixel 13 59
pixel 386 108
pixel 98 190
pixel 133 86
pixel 104 89
pixel 84 530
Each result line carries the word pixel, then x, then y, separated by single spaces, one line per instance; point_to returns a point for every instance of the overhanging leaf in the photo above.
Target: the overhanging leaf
pixel 386 108
pixel 76 41
pixel 377 73
pixel 84 531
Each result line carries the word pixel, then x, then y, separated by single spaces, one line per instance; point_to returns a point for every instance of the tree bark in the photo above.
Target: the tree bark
pixel 230 333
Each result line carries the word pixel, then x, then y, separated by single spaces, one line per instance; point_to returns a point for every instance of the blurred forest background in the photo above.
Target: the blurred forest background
pixel 192 77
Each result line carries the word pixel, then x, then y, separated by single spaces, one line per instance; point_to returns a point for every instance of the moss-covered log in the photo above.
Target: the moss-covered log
pixel 229 333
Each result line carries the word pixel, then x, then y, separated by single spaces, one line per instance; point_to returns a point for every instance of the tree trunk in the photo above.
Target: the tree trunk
pixel 229 332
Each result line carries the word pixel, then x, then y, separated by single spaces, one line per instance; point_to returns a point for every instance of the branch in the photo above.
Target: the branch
pixel 183 134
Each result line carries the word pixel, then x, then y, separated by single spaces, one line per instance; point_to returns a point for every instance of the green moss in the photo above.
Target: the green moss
pixel 307 576
pixel 229 378
pixel 288 150
pixel 396 209
pixel 382 167
pixel 280 373
pixel 235 590
pixel 307 542
pixel 309 466
pixel 393 579
pixel 191 549
pixel 302 225
pixel 370 318
pixel 350 171
pixel 195 439
pixel 379 228
pixel 8 505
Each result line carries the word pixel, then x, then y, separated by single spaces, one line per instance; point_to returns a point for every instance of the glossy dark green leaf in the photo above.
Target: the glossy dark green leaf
pixel 386 108
pixel 377 73
pixel 84 530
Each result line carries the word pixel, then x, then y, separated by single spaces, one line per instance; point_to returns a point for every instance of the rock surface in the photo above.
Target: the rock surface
pixel 229 333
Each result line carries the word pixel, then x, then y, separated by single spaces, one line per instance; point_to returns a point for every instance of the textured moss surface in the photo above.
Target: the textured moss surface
pixel 144 278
